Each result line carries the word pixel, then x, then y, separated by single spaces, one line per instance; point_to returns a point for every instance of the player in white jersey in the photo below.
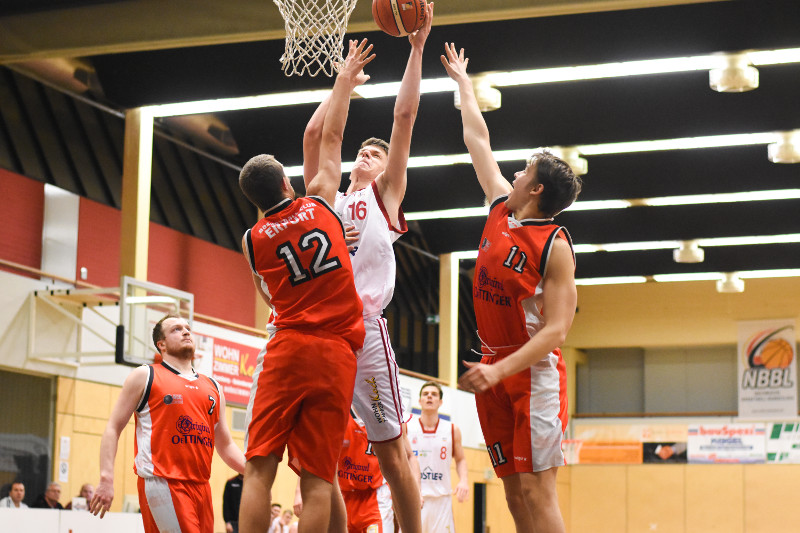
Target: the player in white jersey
pixel 372 205
pixel 436 442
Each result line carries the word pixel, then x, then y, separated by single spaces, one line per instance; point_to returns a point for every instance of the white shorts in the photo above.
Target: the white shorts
pixel 437 515
pixel 376 397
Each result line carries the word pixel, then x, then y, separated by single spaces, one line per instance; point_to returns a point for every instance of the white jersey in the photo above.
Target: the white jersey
pixel 434 451
pixel 373 258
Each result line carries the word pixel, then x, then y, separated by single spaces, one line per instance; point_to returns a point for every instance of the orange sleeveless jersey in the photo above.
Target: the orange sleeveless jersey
pixel 358 467
pixel 511 263
pixel 298 251
pixel 175 426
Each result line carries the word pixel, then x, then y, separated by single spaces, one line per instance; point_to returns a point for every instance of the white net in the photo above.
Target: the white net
pixel 314 34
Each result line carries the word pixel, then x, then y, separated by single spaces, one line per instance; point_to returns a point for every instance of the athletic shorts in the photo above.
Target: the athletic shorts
pixel 301 395
pixel 363 511
pixel 437 515
pixel 174 506
pixel 376 398
pixel 523 419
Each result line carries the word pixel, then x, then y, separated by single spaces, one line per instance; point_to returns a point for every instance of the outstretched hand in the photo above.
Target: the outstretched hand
pixel 418 38
pixel 358 57
pixel 454 62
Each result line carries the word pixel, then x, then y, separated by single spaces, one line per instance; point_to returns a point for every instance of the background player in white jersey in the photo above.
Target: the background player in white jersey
pixel 520 383
pixel 372 205
pixel 436 442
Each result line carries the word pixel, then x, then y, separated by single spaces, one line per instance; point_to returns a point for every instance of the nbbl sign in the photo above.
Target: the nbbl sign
pixel 767 369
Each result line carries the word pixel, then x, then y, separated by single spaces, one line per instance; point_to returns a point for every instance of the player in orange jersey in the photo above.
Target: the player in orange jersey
pixel 372 205
pixel 304 379
pixel 180 418
pixel 525 297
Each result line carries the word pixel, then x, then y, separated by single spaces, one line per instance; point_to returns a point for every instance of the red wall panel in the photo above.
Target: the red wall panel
pixel 219 278
pixel 23 217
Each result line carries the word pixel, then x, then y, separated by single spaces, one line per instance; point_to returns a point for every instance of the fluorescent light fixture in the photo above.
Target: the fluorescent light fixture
pixel 497 79
pixel 730 283
pixel 619 280
pixel 693 276
pixel 596 205
pixel 688 276
pixel 463 212
pixel 522 155
pixel 688 252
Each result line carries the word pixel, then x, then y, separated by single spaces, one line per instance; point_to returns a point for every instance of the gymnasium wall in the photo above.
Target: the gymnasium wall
pixel 218 277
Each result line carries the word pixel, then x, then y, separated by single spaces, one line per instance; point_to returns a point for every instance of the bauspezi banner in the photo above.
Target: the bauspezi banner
pixel 767 369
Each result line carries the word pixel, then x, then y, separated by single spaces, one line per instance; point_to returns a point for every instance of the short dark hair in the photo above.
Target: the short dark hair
pixel 158 329
pixel 17 483
pixel 561 184
pixel 374 141
pixel 260 180
pixel 277 505
pixel 432 384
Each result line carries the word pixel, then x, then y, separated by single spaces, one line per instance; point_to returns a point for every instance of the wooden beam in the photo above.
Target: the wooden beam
pixel 448 319
pixel 136 177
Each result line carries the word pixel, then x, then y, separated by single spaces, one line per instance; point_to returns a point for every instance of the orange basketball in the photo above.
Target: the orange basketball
pixel 398 17
pixel 776 353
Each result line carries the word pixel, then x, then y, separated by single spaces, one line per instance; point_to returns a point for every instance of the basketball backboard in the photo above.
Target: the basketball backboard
pixel 142 304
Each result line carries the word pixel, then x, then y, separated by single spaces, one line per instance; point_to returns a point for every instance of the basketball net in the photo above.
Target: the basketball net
pixel 314 35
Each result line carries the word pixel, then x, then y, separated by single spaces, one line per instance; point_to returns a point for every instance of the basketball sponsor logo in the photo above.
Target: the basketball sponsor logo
pixel 430 475
pixel 190 432
pixel 769 360
pixel 377 404
pixel 353 471
pixel 173 399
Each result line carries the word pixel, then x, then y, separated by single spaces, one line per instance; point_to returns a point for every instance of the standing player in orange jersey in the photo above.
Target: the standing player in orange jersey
pixel 372 205
pixel 523 316
pixel 303 383
pixel 180 417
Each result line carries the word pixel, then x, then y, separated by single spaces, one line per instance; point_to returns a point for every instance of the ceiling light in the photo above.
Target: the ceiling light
pixel 688 252
pixel 787 149
pixel 730 282
pixel 487 96
pixel 735 76
pixel 571 156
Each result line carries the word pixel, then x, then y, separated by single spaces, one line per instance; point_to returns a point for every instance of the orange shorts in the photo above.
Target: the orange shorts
pixel 175 506
pixel 363 513
pixel 523 417
pixel 301 399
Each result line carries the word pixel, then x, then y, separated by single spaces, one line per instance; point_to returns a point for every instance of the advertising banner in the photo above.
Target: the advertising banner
pixel 727 443
pixel 229 357
pixel 783 443
pixel 767 370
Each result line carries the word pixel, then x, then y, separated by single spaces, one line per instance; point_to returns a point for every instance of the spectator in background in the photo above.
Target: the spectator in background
pixel 231 497
pixel 87 491
pixel 276 512
pixel 49 500
pixel 282 523
pixel 15 497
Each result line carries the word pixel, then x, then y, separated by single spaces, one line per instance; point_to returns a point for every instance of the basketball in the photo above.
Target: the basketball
pixel 777 353
pixel 398 17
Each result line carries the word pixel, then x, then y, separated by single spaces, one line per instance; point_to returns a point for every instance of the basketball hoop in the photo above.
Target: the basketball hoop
pixel 314 34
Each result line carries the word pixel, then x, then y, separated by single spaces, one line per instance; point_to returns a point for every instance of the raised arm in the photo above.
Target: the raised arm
pixel 560 300
pixel 129 398
pixel 392 183
pixel 476 134
pixel 312 137
pixel 327 179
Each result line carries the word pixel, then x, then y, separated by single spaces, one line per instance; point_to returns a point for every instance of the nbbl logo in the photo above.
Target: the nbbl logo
pixel 769 358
